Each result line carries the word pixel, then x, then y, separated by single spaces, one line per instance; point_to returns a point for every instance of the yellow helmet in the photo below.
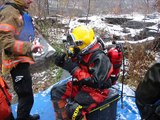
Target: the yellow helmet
pixel 83 37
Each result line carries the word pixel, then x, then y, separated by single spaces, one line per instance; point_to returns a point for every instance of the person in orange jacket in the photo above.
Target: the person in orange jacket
pixel 16 37
pixel 5 101
pixel 91 68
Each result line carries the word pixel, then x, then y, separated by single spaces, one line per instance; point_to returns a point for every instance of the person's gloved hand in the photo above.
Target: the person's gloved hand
pixel 70 66
pixel 59 58
pixel 76 82
pixel 64 62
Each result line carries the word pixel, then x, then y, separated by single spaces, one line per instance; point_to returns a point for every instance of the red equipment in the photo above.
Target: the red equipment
pixel 116 56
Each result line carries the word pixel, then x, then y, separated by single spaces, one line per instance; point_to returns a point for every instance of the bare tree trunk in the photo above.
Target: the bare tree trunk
pixel 47 7
pixel 147 6
pixel 158 5
pixel 120 6
pixel 39 7
pixel 89 3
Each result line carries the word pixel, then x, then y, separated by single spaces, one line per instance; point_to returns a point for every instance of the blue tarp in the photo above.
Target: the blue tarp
pixel 43 106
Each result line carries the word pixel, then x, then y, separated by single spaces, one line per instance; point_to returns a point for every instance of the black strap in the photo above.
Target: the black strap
pixel 21 11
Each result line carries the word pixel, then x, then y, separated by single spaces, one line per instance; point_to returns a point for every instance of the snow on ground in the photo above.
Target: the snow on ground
pixel 99 23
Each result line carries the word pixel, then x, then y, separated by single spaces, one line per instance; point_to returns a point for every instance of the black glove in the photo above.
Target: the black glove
pixel 76 82
pixel 59 58
pixel 70 66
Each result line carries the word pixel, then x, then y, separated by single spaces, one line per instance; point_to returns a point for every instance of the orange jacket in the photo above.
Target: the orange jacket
pixel 13 51
pixel 5 97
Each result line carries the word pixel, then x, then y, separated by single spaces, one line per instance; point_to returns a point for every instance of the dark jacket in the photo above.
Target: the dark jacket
pixel 94 69
pixel 148 91
pixel 148 94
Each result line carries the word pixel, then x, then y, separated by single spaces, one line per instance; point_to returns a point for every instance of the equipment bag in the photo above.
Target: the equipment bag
pixel 5 99
pixel 116 56
pixel 107 110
